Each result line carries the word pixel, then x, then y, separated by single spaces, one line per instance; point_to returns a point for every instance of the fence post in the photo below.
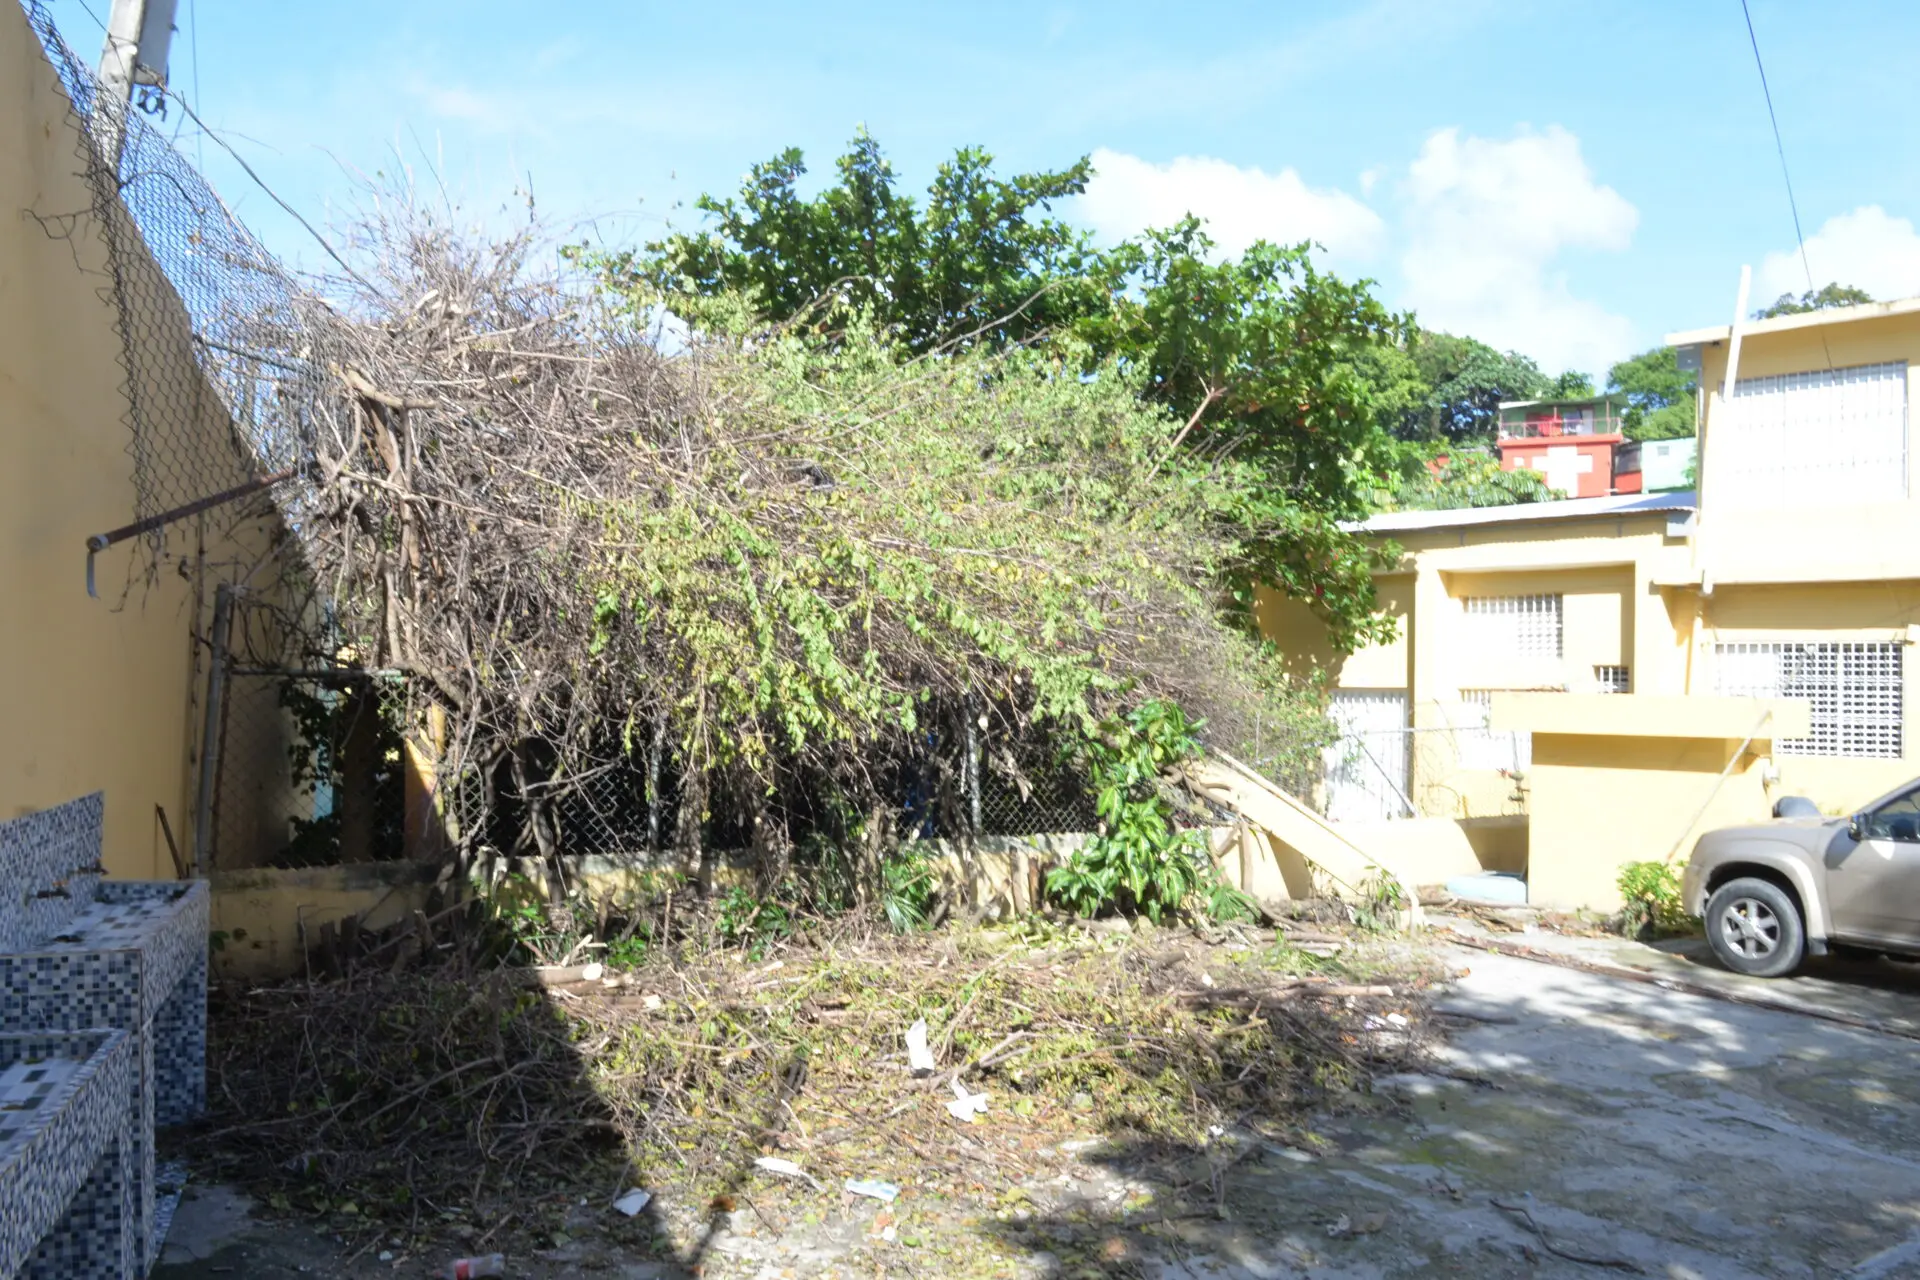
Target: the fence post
pixel 210 730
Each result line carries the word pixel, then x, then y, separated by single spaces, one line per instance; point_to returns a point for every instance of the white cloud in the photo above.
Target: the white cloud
pixel 1868 248
pixel 1128 194
pixel 1485 222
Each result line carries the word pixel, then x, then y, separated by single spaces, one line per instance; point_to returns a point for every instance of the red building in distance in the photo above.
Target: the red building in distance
pixel 1573 444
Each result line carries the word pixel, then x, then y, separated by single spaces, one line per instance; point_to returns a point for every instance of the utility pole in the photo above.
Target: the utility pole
pixel 135 53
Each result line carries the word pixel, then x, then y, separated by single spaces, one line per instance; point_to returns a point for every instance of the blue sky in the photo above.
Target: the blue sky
pixel 1568 180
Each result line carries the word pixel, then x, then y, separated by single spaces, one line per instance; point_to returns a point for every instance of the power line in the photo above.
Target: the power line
pixel 1786 176
pixel 1778 146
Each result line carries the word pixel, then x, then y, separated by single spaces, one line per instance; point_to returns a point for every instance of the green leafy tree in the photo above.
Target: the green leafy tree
pixel 1660 395
pixel 1466 381
pixel 1465 479
pixel 981 260
pixel 1831 295
pixel 1254 354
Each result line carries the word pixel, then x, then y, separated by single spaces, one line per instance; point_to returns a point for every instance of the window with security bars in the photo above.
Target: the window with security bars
pixel 1481 747
pixel 1514 626
pixel 1804 439
pixel 1857 692
pixel 1610 679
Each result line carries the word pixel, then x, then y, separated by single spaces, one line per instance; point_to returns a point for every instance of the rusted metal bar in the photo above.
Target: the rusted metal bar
pixel 210 731
pixel 101 541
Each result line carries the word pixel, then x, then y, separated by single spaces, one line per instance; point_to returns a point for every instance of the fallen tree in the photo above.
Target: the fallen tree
pixel 789 562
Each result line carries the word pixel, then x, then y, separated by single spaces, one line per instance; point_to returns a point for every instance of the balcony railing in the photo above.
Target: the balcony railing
pixel 1537 428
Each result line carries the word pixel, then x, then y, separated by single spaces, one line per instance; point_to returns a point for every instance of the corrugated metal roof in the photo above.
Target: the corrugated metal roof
pixel 1620 504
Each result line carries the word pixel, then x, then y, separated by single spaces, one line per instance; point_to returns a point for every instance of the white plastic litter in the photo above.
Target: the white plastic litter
pixel 873 1188
pixel 1397 1019
pixel 592 972
pixel 966 1106
pixel 919 1057
pixel 787 1169
pixel 633 1201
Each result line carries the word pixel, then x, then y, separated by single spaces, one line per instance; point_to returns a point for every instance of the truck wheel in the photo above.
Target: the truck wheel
pixel 1754 928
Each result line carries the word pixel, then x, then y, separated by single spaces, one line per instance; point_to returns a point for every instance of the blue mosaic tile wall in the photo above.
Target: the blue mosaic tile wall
pixel 78 952
pixel 66 1147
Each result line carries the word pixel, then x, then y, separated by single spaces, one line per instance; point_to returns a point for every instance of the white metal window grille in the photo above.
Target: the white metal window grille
pixel 1610 679
pixel 1514 626
pixel 1857 692
pixel 1480 747
pixel 1367 767
pixel 1802 439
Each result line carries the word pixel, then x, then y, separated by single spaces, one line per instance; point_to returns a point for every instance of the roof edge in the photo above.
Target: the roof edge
pixel 1800 320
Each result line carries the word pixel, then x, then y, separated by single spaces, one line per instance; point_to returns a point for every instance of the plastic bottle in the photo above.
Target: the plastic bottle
pixel 494 1264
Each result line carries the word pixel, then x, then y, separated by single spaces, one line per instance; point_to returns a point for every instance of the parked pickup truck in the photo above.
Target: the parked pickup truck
pixel 1771 893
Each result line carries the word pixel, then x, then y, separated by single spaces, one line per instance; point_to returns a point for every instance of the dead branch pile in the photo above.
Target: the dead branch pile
pixel 787 562
pixel 419 1094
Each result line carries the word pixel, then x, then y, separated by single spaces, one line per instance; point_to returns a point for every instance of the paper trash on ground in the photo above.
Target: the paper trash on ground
pixel 966 1106
pixel 633 1201
pixel 919 1057
pixel 786 1169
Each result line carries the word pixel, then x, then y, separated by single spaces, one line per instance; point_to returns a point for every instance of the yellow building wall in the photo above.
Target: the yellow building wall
pixel 1607 569
pixel 1600 802
pixel 95 694
pixel 1830 541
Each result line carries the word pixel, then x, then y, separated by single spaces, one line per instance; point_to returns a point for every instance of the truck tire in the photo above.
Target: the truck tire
pixel 1754 927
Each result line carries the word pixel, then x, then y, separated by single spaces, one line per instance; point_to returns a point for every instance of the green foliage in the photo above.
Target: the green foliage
pixel 1465 479
pixel 993 525
pixel 1660 395
pixel 1259 353
pixel 907 890
pixel 979 262
pixel 1139 860
pixel 1830 295
pixel 1652 894
pixel 749 922
pixel 1381 900
pixel 1466 380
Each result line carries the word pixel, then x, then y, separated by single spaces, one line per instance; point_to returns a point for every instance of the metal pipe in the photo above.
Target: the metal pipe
pixel 1719 782
pixel 101 541
pixel 210 729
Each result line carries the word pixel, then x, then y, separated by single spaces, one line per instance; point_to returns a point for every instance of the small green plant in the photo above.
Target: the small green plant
pixel 1652 894
pixel 746 921
pixel 907 889
pixel 1139 860
pixel 629 952
pixel 1382 899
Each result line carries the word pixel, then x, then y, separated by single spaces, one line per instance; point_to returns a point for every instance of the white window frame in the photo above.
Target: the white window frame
pixel 1812 438
pixel 1612 678
pixel 1511 627
pixel 1857 688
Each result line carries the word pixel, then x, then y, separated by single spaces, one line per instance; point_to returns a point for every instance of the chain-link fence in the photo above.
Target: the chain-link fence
pixel 224 353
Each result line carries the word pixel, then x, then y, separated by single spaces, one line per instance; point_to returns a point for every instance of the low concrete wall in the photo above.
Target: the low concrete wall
pixel 264 919
pixel 1434 850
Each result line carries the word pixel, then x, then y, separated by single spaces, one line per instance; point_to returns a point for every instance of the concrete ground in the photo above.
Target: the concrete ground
pixel 1582 1125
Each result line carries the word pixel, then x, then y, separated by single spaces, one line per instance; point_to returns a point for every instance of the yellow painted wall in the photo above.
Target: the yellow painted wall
pixel 1607 569
pixel 1830 541
pixel 94 694
pixel 1602 801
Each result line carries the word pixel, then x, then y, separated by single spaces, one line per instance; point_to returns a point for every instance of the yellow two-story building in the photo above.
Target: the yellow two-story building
pixel 1756 628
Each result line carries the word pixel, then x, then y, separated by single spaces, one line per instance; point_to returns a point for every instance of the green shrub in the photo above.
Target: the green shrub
pixel 1652 893
pixel 1139 860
